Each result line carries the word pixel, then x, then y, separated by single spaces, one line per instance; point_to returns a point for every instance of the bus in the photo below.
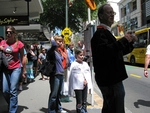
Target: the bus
pixel 137 56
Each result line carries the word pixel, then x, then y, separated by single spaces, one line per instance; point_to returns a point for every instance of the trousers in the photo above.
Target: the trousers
pixel 10 88
pixel 113 97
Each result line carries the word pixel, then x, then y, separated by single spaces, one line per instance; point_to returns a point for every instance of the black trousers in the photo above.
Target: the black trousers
pixel 81 98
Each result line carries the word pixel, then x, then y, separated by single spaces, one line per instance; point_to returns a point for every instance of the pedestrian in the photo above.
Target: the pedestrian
pixel 107 55
pixel 1 38
pixel 23 71
pixel 57 80
pixel 41 57
pixel 35 62
pixel 71 54
pixel 80 81
pixel 147 61
pixel 29 66
pixel 81 46
pixel 62 49
pixel 71 57
pixel 12 48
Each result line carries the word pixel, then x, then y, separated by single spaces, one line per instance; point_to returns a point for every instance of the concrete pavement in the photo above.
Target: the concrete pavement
pixel 34 99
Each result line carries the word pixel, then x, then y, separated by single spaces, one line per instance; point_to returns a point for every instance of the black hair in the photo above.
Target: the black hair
pixel 78 51
pixel 2 37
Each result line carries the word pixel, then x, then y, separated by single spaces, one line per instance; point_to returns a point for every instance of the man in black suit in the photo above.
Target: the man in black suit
pixel 107 54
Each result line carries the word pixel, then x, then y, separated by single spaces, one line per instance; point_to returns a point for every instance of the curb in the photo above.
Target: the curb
pixel 98 103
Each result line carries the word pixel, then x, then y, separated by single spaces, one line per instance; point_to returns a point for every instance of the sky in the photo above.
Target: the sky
pixel 113 3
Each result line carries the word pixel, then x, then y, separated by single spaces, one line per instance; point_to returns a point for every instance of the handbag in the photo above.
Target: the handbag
pixel 3 61
pixel 47 68
pixel 33 58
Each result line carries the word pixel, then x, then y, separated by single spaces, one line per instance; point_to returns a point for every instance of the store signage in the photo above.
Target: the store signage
pixel 14 20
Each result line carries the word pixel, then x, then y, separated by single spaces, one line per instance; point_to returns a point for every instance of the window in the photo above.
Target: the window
pixel 134 5
pixel 142 38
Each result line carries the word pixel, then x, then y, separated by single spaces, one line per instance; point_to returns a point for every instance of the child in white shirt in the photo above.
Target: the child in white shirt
pixel 80 81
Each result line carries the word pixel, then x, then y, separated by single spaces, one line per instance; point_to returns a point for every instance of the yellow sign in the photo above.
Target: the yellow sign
pixel 66 32
pixel 67 40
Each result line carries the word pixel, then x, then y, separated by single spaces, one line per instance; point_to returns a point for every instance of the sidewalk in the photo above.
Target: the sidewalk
pixel 34 99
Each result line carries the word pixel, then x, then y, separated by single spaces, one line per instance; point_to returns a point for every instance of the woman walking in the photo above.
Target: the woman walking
pixel 12 48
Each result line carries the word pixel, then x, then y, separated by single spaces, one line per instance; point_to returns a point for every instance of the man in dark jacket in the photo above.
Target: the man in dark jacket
pixel 107 54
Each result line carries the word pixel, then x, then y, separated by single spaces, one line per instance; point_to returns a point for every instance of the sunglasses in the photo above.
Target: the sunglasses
pixel 9 32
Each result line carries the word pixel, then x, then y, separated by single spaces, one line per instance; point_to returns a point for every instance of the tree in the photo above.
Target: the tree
pixel 54 13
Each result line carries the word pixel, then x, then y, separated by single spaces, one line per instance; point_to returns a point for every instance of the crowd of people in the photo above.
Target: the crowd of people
pixel 24 60
pixel 70 67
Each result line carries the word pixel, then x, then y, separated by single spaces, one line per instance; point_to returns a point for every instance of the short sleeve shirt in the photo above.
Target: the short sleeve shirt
pixel 12 53
pixel 148 50
pixel 42 56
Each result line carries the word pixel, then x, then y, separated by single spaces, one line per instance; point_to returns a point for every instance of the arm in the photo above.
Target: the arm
pixel 22 56
pixel 39 59
pixel 147 61
pixel 24 65
pixel 52 49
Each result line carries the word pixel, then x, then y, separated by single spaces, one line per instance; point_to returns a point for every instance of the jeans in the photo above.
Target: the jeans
pixel 113 98
pixel 56 86
pixel 10 88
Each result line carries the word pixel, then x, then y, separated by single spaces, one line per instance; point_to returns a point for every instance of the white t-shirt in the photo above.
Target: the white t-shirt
pixel 148 49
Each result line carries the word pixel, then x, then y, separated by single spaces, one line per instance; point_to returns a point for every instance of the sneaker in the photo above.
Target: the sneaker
pixel 62 111
pixel 20 88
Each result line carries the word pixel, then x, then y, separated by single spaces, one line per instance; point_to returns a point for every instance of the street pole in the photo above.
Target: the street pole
pixel 89 15
pixel 66 13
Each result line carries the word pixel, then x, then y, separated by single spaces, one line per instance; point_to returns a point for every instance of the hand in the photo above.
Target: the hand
pixel 85 82
pixel 1 48
pixel 130 36
pixel 146 74
pixel 24 74
pixel 52 38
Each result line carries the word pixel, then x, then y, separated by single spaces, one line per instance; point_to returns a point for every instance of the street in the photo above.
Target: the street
pixel 34 97
pixel 137 89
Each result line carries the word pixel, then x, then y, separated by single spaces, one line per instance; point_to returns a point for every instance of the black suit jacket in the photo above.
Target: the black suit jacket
pixel 107 54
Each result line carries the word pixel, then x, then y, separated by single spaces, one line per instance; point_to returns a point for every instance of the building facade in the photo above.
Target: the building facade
pixel 134 14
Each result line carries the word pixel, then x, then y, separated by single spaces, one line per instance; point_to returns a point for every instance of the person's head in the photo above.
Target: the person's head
pixel 59 40
pixel 27 47
pixel 80 43
pixel 43 50
pixel 1 38
pixel 79 55
pixel 10 32
pixel 32 47
pixel 106 14
pixel 71 45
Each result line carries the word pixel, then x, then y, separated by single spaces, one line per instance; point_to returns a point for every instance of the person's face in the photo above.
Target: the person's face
pixel 108 15
pixel 59 43
pixel 71 47
pixel 10 33
pixel 80 57
pixel 43 50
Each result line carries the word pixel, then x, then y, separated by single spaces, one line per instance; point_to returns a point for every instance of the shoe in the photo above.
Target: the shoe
pixel 62 111
pixel 20 88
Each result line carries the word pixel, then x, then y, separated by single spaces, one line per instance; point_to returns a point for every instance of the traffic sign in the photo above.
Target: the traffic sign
pixel 66 32
pixel 67 40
